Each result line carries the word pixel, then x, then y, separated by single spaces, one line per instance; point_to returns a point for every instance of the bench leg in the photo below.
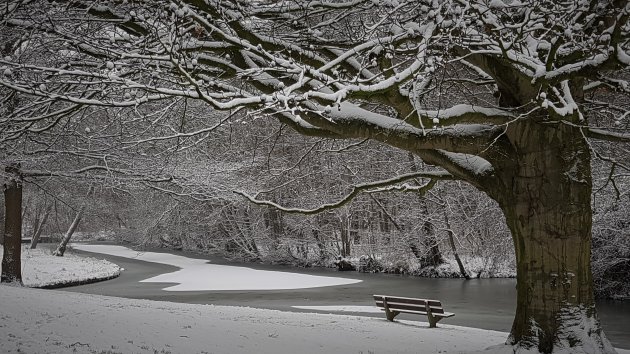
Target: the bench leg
pixel 389 313
pixel 432 319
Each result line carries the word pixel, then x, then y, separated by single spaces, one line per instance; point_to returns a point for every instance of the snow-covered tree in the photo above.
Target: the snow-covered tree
pixel 497 93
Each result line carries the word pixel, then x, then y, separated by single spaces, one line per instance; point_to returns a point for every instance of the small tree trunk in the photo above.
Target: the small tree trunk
pixel 432 256
pixel 344 234
pixel 451 240
pixel 40 227
pixel 61 249
pixel 321 246
pixel 11 259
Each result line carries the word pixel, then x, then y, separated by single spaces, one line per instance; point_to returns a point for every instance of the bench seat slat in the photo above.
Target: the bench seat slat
pixel 443 315
pixel 411 307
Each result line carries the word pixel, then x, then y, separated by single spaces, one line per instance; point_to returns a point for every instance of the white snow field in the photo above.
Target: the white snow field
pixel 36 321
pixel 49 321
pixel 198 274
pixel 40 268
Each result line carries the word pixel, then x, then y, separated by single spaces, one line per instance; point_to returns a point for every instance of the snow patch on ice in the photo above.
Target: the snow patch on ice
pixel 346 308
pixel 199 275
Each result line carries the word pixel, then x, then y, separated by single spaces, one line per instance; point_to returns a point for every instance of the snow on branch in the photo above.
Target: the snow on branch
pixel 368 187
pixel 599 133
pixel 613 83
pixel 475 165
pixel 465 113
pixel 285 6
pixel 129 174
pixel 602 134
pixel 349 120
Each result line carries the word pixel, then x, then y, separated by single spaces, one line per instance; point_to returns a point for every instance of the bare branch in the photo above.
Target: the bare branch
pixel 369 187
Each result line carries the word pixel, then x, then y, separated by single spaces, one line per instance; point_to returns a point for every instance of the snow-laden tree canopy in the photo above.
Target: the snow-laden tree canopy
pixel 511 96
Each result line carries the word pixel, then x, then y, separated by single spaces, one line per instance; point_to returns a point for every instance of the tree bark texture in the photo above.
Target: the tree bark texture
pixel 11 259
pixel 546 197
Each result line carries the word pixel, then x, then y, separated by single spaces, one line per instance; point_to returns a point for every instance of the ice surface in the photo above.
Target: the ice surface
pixel 198 274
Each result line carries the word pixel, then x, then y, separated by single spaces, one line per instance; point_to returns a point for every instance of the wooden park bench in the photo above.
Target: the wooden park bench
pixel 394 305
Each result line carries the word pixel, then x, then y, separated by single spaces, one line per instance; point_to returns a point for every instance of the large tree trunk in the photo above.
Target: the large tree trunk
pixel 11 259
pixel 546 198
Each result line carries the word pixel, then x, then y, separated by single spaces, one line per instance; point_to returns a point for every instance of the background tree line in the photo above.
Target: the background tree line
pixel 390 231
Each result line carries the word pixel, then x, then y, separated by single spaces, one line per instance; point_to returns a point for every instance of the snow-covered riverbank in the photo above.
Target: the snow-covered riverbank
pixel 41 269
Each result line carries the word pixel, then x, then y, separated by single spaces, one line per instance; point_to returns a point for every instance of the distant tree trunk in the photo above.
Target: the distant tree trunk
pixel 121 222
pixel 321 246
pixel 61 249
pixel 344 233
pixel 274 225
pixel 413 247
pixel 432 256
pixel 40 226
pixel 11 259
pixel 451 240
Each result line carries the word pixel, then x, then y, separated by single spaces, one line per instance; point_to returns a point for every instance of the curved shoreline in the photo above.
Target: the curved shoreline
pixel 65 284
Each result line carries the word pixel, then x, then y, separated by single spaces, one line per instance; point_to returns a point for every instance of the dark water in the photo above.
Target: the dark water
pixel 481 303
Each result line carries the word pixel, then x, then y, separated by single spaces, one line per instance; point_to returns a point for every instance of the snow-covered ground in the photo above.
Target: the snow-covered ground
pixel 198 274
pixel 40 268
pixel 47 321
